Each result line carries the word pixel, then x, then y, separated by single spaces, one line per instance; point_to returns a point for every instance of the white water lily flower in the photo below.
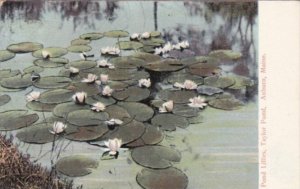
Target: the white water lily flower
pixel 91 78
pixel 144 83
pixel 167 107
pixel 177 46
pixel 145 35
pixel 98 82
pixel 114 122
pixel 103 78
pixel 105 64
pixel 158 51
pixel 83 55
pixel 167 47
pixel 33 96
pixel 188 84
pixel 113 145
pixel 184 44
pixel 179 85
pixel 135 36
pixel 110 50
pixel 74 70
pixel 99 106
pixel 45 54
pixel 58 127
pixel 107 91
pixel 197 102
pixel 79 97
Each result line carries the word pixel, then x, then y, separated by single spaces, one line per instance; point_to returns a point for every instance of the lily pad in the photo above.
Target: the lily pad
pixel 148 49
pixel 204 69
pixel 127 62
pixel 90 89
pixel 139 111
pixel 91 36
pixel 85 133
pixel 40 107
pixel 181 54
pixel 5 73
pixel 117 112
pixel 3 89
pixel 170 178
pixel 117 85
pixel 6 55
pixel 56 96
pixel 132 94
pixel 16 82
pixel 116 34
pixel 196 120
pixel 200 59
pixel 241 82
pixel 155 34
pixel 80 42
pixel 83 64
pixel 86 117
pixel 76 165
pixel 147 57
pixel 129 45
pixel 178 96
pixel 169 122
pixel 79 48
pixel 185 111
pixel 35 69
pixel 54 52
pixel 166 65
pixel 4 99
pixel 226 103
pixel 51 62
pixel 61 110
pixel 155 157
pixel 107 101
pixel 24 47
pixel 226 54
pixel 120 74
pixel 181 77
pixel 52 82
pixel 208 90
pixel 16 119
pixel 219 81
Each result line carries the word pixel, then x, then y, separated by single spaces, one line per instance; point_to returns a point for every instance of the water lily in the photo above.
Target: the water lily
pixel 167 107
pixel 84 56
pixel 45 54
pixel 74 70
pixel 58 127
pixel 167 47
pixel 145 35
pixel 114 122
pixel 188 84
pixel 144 83
pixel 33 96
pixel 104 78
pixel 99 106
pixel 107 91
pixel 110 50
pixel 181 45
pixel 91 78
pixel 113 145
pixel 135 36
pixel 79 97
pixel 159 51
pixel 105 64
pixel 197 102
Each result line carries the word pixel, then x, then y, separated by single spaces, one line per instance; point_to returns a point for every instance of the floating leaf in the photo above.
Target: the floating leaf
pixel 127 62
pixel 51 82
pixel 208 90
pixel 226 54
pixel 76 165
pixel 181 54
pixel 170 178
pixel 147 57
pixel 4 99
pixel 39 106
pixel 166 65
pixel 56 96
pixel 86 117
pixel 226 103
pixel 5 73
pixel 204 69
pixel 16 82
pixel 196 120
pixel 241 82
pixel 178 96
pixel 24 47
pixel 148 49
pixel 6 55
pixel 140 111
pixel 90 89
pixel 116 34
pixel 97 98
pixel 54 52
pixel 120 74
pixel 155 157
pixel 185 111
pixel 61 110
pixel 85 133
pixel 16 119
pixel 181 77
pixel 79 48
pixel 219 81
pixel 117 112
pixel 200 59
pixel 129 45
pixel 169 122
pixel 80 42
pixel 91 36
pixel 35 69
pixel 83 64
pixel 51 62
pixel 155 34
pixel 132 94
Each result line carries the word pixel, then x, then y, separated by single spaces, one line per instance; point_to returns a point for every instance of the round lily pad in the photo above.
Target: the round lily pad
pixel 156 157
pixel 80 42
pixel 117 85
pixel 116 34
pixel 51 62
pixel 79 48
pixel 178 96
pixel 200 59
pixel 97 98
pixel 90 89
pixel 208 90
pixel 226 54
pixel 6 55
pixel 204 69
pixel 155 34
pixel 166 65
pixel 91 36
pixel 24 47
pixel 86 117
pixel 148 49
pixel 85 133
pixel 219 81
pixel 76 165
pixel 61 110
pixel 185 111
pixel 83 64
pixel 56 96
pixel 5 73
pixel 170 178
pixel 120 74
pixel 40 107
pixel 16 82
pixel 132 94
pixel 150 43
pixel 3 89
pixel 117 112
pixel 169 122
pixel 127 62
pixel 140 111
pixel 35 69
pixel 51 82
pixel 16 119
pixel 181 77
pixel 147 57
pixel 4 99
pixel 226 103
pixel 129 45
pixel 54 52
pixel 241 82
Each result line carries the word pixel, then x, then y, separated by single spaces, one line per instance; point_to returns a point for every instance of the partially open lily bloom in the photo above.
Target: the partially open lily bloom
pixel 74 70
pixel 103 78
pixel 167 47
pixel 197 102
pixel 79 97
pixel 113 145
pixel 110 50
pixel 114 122
pixel 107 91
pixel 91 78
pixel 58 127
pixel 188 84
pixel 159 51
pixel 83 55
pixel 144 83
pixel 145 35
pixel 176 46
pixel 45 54
pixel 166 107
pixel 98 107
pixel 105 64
pixel 33 96
pixel 135 36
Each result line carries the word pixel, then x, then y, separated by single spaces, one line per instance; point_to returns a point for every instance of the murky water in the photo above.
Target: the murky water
pixel 221 152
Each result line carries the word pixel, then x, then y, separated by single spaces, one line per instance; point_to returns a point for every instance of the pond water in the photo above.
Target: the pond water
pixel 219 152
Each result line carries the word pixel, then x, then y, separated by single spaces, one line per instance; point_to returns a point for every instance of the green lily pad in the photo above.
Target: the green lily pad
pixel 185 111
pixel 181 77
pixel 181 54
pixel 86 117
pixel 3 89
pixel 155 157
pixel 170 178
pixel 117 112
pixel 83 64
pixel 141 112
pixel 16 119
pixel 200 59
pixel 24 47
pixel 148 49
pixel 120 74
pixel 79 48
pixel 90 89
pixel 52 82
pixel 91 36
pixel 16 82
pixel 155 34
pixel 129 45
pixel 40 107
pixel 150 43
pixel 196 120
pixel 5 73
pixel 132 94
pixel 107 101
pixel 61 110
pixel 226 103
pixel 204 69
pixel 54 52
pixel 147 57
pixel 116 34
pixel 80 42
pixel 208 90
pixel 56 96
pixel 241 82
pixel 4 99
pixel 166 65
pixel 117 85
pixel 35 69
pixel 51 62
pixel 169 122
pixel 6 55
pixel 85 133
pixel 178 96
pixel 127 62
pixel 226 54
pixel 219 81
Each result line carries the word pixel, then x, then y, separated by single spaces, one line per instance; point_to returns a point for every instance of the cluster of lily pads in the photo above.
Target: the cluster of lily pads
pixel 119 101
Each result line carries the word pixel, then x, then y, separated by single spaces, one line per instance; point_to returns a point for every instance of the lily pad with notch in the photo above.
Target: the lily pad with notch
pixel 52 82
